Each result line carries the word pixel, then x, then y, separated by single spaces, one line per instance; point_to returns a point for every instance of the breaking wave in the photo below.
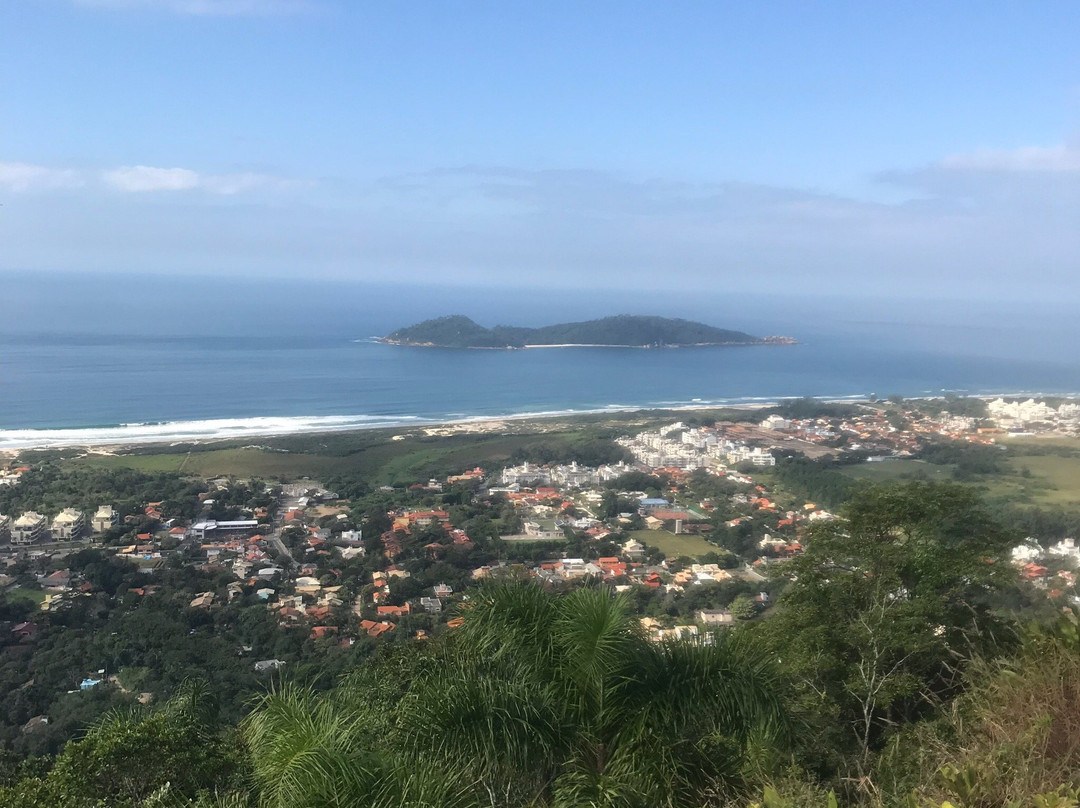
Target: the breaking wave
pixel 185 431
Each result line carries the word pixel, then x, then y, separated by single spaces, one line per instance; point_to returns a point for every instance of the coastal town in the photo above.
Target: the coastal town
pixel 694 517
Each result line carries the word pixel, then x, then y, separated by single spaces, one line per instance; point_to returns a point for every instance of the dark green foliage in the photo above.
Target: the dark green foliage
pixel 818 481
pixel 154 638
pixel 885 606
pixel 952 404
pixel 969 458
pixel 540 699
pixel 130 756
pixel 1047 523
pixel 51 487
pixel 639 481
pixel 808 407
pixel 457 331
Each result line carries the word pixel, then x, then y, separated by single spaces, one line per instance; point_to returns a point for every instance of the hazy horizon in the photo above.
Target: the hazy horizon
pixel 871 151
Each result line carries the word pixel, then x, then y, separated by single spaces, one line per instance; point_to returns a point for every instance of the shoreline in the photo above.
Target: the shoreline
pixel 56 439
pixel 201 432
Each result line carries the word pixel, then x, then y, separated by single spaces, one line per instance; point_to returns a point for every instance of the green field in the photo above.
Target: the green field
pixel 1039 478
pixel 889 470
pixel 671 545
pixel 372 456
pixel 1054 480
pixel 21 593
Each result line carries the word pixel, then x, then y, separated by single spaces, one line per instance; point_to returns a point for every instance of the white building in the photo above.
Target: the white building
pixel 757 456
pixel 104 519
pixel 575 476
pixel 776 422
pixel 526 474
pixel 1020 411
pixel 1027 552
pixel 28 528
pixel 68 524
pixel 202 530
pixel 1066 548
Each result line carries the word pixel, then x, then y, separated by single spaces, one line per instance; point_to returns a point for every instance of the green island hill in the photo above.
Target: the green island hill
pixel 623 331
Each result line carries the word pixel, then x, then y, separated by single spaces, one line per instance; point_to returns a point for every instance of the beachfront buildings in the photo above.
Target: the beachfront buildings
pixel 104 519
pixel 68 525
pixel 28 528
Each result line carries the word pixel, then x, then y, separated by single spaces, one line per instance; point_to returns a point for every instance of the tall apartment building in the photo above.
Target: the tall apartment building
pixel 104 519
pixel 28 528
pixel 68 524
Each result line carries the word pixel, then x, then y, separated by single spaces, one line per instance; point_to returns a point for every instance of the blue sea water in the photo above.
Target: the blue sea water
pixel 285 357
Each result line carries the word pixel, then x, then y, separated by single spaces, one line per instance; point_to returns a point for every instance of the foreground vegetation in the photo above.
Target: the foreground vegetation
pixel 895 671
pixel 893 659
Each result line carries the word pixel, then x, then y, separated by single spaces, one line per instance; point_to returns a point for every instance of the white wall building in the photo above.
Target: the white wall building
pixel 68 524
pixel 104 519
pixel 525 474
pixel 28 528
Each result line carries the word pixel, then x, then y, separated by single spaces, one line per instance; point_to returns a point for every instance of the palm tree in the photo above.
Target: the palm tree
pixel 316 750
pixel 538 700
pixel 560 700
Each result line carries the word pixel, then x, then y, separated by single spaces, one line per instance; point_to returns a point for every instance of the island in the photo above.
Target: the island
pixel 622 331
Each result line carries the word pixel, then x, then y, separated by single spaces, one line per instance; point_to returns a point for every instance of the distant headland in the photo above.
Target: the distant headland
pixel 622 331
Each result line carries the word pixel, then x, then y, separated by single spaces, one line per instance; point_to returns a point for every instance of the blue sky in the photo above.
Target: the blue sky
pixel 919 149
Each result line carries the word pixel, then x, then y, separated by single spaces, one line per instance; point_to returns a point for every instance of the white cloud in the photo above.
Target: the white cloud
pixel 961 225
pixel 1054 159
pixel 138 179
pixel 206 8
pixel 148 179
pixel 26 177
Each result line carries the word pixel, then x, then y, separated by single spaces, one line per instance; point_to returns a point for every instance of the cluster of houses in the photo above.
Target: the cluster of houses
pixel 405 522
pixel 1053 568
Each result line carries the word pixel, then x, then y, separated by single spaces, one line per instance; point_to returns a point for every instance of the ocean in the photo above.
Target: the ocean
pixel 106 359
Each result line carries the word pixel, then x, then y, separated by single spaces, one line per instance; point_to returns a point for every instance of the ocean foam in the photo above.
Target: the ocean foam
pixel 187 431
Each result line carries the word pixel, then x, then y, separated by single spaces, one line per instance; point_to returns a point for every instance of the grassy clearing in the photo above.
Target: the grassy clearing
pixel 1054 480
pixel 371 456
pixel 22 593
pixel 889 470
pixel 672 545
pixel 1037 442
pixel 222 462
pixel 1037 479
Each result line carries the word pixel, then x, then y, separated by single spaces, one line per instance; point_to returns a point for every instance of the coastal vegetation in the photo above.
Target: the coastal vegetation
pixel 457 331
